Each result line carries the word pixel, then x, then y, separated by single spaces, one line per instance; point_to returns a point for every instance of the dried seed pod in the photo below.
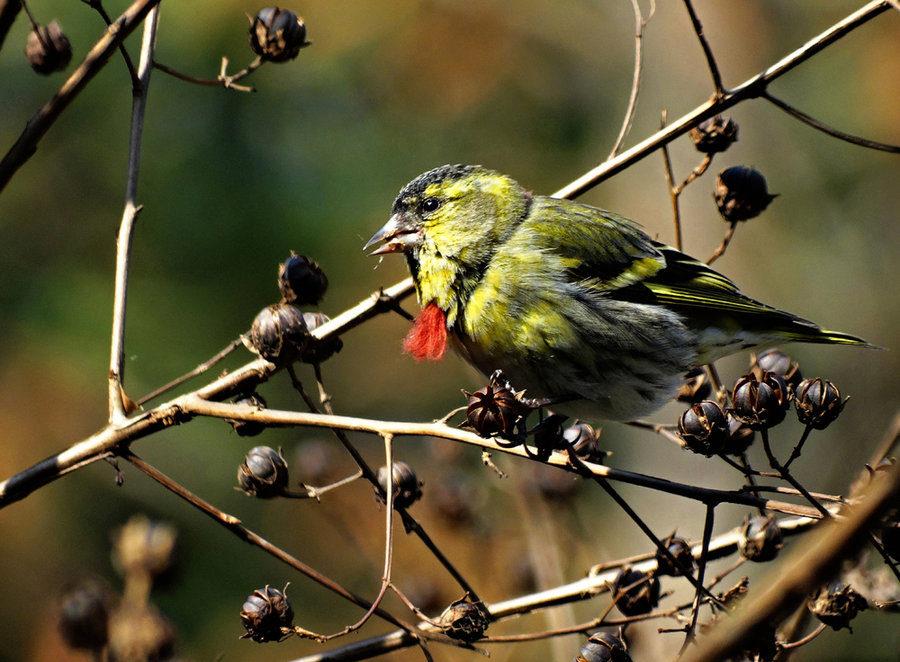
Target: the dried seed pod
pixel 774 360
pixel 407 486
pixel 637 591
pixel 818 403
pixel 301 281
pixel 248 428
pixel 139 632
pixel 836 605
pixel 264 473
pixel 277 35
pixel 464 620
pixel 684 558
pixel 584 440
pixel 84 609
pixel 714 135
pixel 278 334
pixel 604 647
pixel 761 539
pixel 494 410
pixel 704 428
pixel 741 194
pixel 48 49
pixel 760 404
pixel 740 436
pixel 315 350
pixel 267 615
pixel 144 547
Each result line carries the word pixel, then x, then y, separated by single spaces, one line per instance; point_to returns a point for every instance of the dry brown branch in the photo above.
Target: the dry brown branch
pixel 806 567
pixel 97 57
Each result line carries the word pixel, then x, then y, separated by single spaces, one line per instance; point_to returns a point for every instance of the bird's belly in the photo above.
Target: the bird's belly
pixel 622 387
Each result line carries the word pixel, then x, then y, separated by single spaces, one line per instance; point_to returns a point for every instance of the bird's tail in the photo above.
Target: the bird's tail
pixel 803 331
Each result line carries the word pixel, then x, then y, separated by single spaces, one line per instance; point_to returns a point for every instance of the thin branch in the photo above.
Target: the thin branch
pixel 37 127
pixel 116 395
pixel 9 10
pixel 824 128
pixel 798 449
pixel 720 251
pixel 707 51
pixel 199 370
pixel 97 5
pixel 834 498
pixel 670 183
pixel 701 572
pixel 193 405
pixel 749 89
pixel 388 536
pixel 222 80
pixel 805 640
pixel 185 407
pixel 596 583
pixel 786 475
pixel 410 524
pixel 639 24
pixel 582 468
pixel 234 525
pixel 806 567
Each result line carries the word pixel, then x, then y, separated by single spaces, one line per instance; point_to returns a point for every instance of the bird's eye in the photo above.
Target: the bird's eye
pixel 430 204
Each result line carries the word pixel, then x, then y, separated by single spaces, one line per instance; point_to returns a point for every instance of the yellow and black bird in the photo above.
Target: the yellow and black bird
pixel 573 303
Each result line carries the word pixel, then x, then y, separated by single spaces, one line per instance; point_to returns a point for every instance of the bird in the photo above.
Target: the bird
pixel 574 304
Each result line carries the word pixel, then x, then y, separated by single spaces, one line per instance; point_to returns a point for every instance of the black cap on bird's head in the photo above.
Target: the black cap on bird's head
pixel 417 188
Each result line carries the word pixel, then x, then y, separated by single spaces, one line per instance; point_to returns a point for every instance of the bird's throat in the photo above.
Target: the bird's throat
pixel 428 337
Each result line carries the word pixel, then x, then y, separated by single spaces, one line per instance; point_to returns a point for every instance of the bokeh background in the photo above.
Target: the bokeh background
pixel 232 182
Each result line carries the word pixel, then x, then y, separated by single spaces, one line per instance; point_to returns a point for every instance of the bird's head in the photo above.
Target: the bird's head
pixel 458 213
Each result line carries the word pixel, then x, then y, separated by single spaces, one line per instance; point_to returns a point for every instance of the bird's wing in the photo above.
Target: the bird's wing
pixel 613 256
pixel 689 282
pixel 597 248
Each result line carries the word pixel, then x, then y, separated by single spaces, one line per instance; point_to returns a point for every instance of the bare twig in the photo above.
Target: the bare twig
pixel 116 396
pixel 97 5
pixel 720 251
pixel 804 569
pixel 410 524
pixel 234 525
pixel 639 24
pixel 37 127
pixel 199 370
pixel 9 9
pixel 824 128
pixel 596 583
pixel 805 640
pixel 228 81
pixel 749 89
pixel 185 407
pixel 707 51
pixel 388 536
pixel 701 572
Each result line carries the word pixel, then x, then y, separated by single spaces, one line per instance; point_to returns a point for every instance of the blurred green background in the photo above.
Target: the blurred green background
pixel 232 182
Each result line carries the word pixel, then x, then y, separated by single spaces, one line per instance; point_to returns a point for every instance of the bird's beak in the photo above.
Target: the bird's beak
pixel 400 234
